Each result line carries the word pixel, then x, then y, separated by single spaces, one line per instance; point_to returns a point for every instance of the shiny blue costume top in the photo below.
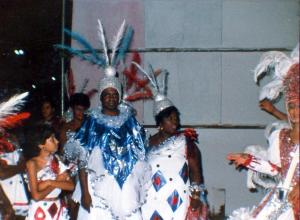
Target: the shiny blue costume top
pixel 120 138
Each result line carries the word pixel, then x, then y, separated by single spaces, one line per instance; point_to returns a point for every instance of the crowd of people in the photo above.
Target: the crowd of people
pixel 100 164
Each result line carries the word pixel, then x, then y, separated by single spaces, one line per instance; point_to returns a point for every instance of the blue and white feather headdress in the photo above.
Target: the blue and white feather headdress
pixel 161 100
pixel 107 61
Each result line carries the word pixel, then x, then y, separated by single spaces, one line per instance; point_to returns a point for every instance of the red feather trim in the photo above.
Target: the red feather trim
pixel 191 134
pixel 13 120
pixel 147 94
pixel 132 71
pixel 55 165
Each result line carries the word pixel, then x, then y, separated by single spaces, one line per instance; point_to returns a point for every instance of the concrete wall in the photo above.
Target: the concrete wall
pixel 215 45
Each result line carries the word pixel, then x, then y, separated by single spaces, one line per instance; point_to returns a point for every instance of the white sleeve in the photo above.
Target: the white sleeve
pixel 274 150
pixel 272 164
pixel 263 166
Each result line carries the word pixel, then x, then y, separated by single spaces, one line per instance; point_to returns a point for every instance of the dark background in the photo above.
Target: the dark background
pixel 33 26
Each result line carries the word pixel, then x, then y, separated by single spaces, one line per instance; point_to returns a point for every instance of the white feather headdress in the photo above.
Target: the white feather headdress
pixel 13 105
pixel 107 61
pixel 277 64
pixel 161 101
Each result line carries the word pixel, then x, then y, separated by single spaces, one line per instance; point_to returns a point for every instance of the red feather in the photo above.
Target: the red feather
pixel 13 120
pixel 132 71
pixel 146 94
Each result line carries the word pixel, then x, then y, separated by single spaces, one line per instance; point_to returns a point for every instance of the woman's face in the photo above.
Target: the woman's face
pixel 170 124
pixel 47 110
pixel 78 112
pixel 293 112
pixel 51 144
pixel 110 99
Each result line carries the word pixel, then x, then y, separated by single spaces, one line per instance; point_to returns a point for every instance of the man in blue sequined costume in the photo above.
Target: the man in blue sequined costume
pixel 109 149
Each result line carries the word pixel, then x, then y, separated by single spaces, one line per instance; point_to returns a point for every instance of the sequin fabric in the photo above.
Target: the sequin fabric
pixel 286 147
pixel 120 138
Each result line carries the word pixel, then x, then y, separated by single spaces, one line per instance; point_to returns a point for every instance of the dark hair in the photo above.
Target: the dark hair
pixel 48 100
pixel 36 135
pixel 166 113
pixel 80 99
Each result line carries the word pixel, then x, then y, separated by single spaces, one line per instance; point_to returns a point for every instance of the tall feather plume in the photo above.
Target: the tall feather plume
pixel 102 39
pixel 152 81
pixel 117 40
pixel 83 42
pixel 152 75
pixel 83 56
pixel 13 105
pixel 164 82
pixel 125 44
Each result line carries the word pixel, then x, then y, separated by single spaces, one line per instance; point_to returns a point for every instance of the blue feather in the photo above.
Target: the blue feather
pixel 82 41
pixel 124 46
pixel 101 62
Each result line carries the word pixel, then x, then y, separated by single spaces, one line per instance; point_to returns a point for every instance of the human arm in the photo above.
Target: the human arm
pixel 7 171
pixel 6 208
pixel 268 106
pixel 86 199
pixel 63 181
pixel 254 163
pixel 270 166
pixel 36 194
pixel 197 188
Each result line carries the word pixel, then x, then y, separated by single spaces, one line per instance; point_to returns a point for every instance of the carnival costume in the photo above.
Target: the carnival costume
pixel 169 194
pixel 14 187
pixel 10 153
pixel 282 158
pixel 111 148
pixel 51 207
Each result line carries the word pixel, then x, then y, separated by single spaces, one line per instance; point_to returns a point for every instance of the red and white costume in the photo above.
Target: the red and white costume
pixel 14 187
pixel 280 157
pixel 51 207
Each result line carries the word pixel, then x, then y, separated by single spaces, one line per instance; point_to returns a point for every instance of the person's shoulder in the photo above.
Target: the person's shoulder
pixel 31 163
pixel 154 140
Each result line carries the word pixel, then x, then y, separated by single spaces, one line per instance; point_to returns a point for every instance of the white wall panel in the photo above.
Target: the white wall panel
pixel 260 23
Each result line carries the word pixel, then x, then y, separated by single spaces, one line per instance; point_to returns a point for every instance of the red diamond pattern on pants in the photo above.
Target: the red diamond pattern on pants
pixel 39 214
pixel 53 209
